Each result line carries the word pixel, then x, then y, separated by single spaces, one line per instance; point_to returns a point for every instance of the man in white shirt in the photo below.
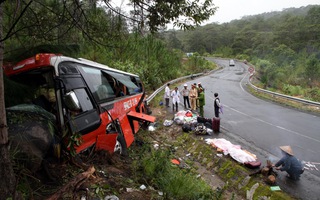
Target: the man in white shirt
pixel 175 94
pixel 167 94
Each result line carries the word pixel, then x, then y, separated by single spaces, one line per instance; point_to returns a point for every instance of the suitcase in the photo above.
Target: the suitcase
pixel 216 124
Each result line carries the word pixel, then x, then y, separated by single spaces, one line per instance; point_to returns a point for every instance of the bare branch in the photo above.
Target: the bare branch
pixel 117 12
pixel 15 23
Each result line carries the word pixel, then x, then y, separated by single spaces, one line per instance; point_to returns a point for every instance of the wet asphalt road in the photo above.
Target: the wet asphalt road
pixel 261 126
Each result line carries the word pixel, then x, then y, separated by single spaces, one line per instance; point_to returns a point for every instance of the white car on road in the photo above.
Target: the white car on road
pixel 231 63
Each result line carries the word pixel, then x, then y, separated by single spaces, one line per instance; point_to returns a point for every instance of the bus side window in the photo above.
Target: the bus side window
pixel 102 92
pixel 111 82
pixel 138 83
pixel 121 90
pixel 100 84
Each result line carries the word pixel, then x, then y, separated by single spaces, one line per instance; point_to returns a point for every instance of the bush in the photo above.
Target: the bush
pixel 175 182
pixel 292 90
pixel 313 94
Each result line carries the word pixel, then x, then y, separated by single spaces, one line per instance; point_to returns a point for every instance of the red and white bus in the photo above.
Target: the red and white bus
pixel 103 105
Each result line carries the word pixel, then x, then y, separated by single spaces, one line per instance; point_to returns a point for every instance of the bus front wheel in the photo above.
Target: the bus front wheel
pixel 121 147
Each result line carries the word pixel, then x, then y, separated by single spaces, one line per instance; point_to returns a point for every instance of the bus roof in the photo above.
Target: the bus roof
pixel 90 62
pixel 49 59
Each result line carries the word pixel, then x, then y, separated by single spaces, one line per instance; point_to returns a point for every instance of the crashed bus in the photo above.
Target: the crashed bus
pixel 90 103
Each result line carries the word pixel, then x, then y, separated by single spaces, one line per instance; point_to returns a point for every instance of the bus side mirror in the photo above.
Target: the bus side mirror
pixel 71 101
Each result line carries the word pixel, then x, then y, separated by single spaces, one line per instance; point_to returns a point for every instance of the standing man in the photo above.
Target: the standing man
pixel 175 94
pixel 198 89
pixel 202 101
pixel 167 94
pixel 217 105
pixel 200 86
pixel 193 94
pixel 197 101
pixel 185 94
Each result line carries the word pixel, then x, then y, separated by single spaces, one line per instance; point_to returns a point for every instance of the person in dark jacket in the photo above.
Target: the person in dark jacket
pixel 185 94
pixel 289 163
pixel 217 105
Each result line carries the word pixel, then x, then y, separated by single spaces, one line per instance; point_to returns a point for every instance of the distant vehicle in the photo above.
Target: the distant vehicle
pixel 189 54
pixel 245 62
pixel 231 63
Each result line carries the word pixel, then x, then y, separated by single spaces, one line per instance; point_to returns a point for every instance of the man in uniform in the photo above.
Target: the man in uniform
pixel 193 94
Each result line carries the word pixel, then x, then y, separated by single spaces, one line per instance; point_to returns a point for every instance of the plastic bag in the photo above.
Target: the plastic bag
pixel 186 128
pixel 167 122
pixel 201 129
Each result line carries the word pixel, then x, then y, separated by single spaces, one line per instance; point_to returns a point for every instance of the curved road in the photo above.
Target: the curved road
pixel 261 126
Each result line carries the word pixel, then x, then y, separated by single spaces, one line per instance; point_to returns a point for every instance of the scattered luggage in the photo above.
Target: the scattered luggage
pixel 216 124
pixel 204 120
pixel 167 122
pixel 208 125
pixel 200 129
pixel 186 128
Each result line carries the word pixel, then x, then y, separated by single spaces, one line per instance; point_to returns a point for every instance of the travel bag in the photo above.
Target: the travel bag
pixel 216 124
pixel 200 129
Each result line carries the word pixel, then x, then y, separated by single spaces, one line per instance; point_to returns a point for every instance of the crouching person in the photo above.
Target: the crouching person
pixel 289 163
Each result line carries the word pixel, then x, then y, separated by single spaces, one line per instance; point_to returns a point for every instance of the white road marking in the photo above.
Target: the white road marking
pixel 241 82
pixel 226 75
pixel 282 128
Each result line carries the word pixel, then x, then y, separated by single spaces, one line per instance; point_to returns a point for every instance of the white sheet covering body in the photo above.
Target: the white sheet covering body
pixel 235 151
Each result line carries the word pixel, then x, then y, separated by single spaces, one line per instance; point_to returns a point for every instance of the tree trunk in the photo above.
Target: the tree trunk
pixel 7 177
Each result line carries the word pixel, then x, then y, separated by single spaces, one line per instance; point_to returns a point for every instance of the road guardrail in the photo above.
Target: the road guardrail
pixel 150 97
pixel 304 101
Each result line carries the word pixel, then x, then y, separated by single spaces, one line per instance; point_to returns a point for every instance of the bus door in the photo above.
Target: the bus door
pixel 139 117
pixel 81 113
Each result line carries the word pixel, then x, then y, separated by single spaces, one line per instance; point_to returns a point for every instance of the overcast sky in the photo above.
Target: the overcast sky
pixel 235 9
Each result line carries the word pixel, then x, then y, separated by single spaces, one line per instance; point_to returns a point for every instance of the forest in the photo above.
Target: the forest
pixel 283 46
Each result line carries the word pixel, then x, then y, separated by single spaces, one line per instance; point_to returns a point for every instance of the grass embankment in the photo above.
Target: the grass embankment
pixel 154 166
pixel 183 183
pixel 304 92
